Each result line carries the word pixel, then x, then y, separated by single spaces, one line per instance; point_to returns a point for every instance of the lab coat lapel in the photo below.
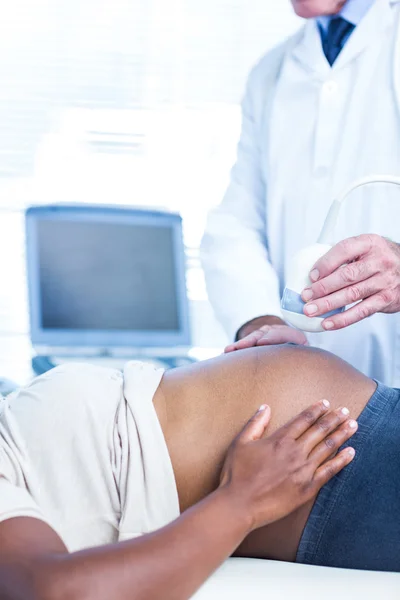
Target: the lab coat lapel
pixel 308 52
pixel 378 18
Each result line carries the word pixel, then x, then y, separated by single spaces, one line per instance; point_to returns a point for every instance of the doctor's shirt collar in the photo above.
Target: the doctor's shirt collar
pixel 353 11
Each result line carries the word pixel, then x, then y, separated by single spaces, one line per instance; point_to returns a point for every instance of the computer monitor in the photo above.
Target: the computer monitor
pixel 106 277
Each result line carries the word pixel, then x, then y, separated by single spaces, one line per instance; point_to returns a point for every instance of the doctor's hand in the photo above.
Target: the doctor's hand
pixel 266 331
pixel 363 269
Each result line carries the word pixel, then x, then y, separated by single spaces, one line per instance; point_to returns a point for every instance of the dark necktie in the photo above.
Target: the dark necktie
pixel 338 33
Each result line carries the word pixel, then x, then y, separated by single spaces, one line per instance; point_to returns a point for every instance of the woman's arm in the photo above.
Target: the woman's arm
pixel 263 480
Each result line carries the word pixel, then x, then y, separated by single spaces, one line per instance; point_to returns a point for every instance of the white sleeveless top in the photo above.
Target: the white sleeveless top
pixel 82 449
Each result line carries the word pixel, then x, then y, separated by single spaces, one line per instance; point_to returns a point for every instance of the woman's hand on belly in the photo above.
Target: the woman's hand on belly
pixel 270 478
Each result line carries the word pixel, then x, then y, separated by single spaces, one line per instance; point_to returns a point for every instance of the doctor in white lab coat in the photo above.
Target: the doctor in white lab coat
pixel 319 112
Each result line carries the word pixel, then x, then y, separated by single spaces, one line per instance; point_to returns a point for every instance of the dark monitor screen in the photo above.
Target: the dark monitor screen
pixel 120 277
pixel 107 276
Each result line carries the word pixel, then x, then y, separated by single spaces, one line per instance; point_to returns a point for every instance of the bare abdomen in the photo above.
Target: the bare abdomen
pixel 207 405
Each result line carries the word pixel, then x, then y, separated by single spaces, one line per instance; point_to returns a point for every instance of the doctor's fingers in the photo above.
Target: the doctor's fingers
pixel 249 340
pixel 376 303
pixel 269 335
pixel 345 276
pixel 345 296
pixel 283 335
pixel 344 252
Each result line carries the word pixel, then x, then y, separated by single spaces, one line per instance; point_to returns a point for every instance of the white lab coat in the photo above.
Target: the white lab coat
pixel 308 131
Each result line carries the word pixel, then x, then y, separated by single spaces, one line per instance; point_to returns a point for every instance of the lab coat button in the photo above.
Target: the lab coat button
pixel 330 87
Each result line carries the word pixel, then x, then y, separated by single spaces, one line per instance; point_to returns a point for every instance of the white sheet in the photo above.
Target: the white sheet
pixel 249 579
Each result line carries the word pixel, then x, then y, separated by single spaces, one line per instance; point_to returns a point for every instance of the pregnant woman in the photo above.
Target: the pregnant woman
pixel 138 485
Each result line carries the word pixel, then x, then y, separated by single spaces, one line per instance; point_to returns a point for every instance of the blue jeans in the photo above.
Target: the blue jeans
pixel 355 521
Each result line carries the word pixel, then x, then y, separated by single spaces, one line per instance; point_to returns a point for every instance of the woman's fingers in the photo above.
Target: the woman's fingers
pixel 255 428
pixel 275 476
pixel 323 427
pixel 330 444
pixel 331 468
pixel 306 419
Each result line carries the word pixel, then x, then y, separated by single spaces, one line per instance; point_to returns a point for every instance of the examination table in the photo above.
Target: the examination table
pixel 250 579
